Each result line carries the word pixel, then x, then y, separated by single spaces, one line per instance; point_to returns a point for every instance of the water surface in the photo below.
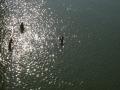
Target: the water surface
pixel 89 59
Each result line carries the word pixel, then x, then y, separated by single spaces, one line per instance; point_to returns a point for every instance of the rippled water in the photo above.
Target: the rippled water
pixel 31 64
pixel 89 59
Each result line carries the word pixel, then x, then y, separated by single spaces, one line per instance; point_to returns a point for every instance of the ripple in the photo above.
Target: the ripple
pixel 34 52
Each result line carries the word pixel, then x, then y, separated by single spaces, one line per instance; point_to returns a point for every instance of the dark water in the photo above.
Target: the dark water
pixel 89 59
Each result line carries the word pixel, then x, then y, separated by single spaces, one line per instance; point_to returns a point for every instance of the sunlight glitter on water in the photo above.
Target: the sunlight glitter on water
pixel 32 51
pixel 30 15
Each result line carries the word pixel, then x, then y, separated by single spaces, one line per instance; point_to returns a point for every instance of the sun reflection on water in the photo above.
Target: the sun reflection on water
pixel 32 63
pixel 32 55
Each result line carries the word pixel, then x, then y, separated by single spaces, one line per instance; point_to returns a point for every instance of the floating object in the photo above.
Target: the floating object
pixel 10 45
pixel 61 39
pixel 22 29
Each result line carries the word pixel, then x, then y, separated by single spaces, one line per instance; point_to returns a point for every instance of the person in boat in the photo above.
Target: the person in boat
pixel 10 45
pixel 61 39
pixel 22 29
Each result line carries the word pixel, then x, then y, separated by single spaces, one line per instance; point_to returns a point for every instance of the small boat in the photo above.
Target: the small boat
pixel 61 39
pixel 22 29
pixel 10 45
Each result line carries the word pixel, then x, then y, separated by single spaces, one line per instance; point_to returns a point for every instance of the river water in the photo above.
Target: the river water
pixel 89 59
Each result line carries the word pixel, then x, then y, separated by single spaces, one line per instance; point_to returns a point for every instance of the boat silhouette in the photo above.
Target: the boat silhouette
pixel 22 29
pixel 61 39
pixel 10 45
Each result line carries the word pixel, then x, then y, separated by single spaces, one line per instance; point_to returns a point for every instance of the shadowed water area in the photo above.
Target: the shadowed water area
pixel 59 45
